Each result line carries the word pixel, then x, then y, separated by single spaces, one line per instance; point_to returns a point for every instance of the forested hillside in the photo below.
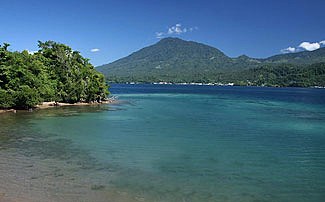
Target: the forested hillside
pixel 282 75
pixel 177 61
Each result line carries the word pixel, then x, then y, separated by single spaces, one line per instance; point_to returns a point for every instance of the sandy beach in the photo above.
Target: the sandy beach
pixel 52 104
pixel 7 110
pixel 46 105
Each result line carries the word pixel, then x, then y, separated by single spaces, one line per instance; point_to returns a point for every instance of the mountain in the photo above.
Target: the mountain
pixel 176 60
pixel 299 58
pixel 170 57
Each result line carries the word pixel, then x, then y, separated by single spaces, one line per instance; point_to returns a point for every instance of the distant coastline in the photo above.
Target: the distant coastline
pixel 215 84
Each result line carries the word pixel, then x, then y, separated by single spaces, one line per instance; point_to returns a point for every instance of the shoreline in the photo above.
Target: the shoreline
pixel 46 105
pixel 53 104
pixel 7 110
pixel 215 84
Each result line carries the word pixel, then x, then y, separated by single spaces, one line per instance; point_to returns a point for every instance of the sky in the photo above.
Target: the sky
pixel 105 31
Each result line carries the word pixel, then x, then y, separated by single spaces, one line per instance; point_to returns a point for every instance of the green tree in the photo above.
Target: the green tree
pixel 54 73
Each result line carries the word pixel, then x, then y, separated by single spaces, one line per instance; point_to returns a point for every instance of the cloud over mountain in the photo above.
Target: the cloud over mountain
pixel 176 29
pixel 289 50
pixel 309 46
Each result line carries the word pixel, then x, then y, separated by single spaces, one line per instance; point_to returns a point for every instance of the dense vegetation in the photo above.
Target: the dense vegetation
pixel 54 73
pixel 175 60
pixel 284 75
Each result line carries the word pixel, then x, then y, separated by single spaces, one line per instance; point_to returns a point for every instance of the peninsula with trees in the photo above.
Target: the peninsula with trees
pixel 54 73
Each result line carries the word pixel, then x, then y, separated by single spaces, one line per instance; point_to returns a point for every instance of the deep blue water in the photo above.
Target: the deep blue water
pixel 303 95
pixel 180 143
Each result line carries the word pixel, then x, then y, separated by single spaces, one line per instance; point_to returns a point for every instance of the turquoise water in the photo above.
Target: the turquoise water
pixel 171 143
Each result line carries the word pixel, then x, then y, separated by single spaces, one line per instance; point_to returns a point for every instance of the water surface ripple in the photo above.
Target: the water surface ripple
pixel 170 143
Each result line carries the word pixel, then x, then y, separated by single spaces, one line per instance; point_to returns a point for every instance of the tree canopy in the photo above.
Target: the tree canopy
pixel 54 73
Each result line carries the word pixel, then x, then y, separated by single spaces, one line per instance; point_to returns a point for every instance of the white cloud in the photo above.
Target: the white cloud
pixel 170 31
pixel 159 35
pixel 289 50
pixel 176 29
pixel 94 50
pixel 309 46
pixel 31 52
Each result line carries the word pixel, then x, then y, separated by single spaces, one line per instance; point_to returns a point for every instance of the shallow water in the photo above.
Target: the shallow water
pixel 170 143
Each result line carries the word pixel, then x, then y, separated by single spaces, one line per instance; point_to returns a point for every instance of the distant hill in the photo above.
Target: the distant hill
pixel 177 60
pixel 173 58
pixel 299 58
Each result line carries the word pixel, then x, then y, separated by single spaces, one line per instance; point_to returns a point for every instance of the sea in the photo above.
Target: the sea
pixel 169 143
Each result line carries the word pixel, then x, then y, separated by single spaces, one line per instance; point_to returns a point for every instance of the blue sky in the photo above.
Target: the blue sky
pixel 115 29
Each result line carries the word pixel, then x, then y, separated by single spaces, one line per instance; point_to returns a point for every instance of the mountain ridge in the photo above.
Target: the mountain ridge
pixel 177 60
